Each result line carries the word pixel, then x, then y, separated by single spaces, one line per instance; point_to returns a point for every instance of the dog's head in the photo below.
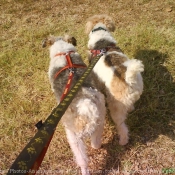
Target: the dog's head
pixel 104 19
pixel 49 41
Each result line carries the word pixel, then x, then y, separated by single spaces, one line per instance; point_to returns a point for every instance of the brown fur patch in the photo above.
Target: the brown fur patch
pixel 105 19
pixel 48 41
pixel 117 61
pixel 115 48
pixel 118 88
pixel 118 85
pixel 102 43
pixel 70 39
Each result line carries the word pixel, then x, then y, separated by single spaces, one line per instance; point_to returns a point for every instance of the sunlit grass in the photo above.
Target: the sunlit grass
pixel 26 96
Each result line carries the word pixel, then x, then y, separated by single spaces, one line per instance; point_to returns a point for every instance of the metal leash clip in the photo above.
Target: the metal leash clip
pixel 102 51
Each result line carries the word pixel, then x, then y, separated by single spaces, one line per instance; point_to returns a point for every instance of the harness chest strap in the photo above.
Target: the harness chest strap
pixel 69 66
pixel 67 87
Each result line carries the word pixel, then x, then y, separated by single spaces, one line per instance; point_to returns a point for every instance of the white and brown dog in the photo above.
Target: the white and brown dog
pixel 120 75
pixel 86 114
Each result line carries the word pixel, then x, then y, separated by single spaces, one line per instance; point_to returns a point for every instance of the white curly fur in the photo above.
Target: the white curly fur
pixel 85 115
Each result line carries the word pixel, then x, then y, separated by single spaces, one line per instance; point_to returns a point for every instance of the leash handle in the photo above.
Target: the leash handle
pixel 30 159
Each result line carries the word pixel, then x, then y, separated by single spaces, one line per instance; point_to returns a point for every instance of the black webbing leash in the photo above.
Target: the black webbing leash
pixel 30 159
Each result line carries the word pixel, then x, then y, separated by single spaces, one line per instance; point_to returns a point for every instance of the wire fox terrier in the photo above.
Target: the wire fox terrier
pixel 86 114
pixel 120 75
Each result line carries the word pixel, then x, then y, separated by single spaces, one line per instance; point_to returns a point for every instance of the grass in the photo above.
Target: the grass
pixel 145 30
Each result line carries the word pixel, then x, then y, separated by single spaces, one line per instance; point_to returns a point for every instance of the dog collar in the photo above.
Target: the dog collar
pixel 99 28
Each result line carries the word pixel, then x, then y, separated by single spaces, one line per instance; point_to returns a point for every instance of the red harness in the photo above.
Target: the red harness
pixel 98 52
pixel 101 51
pixel 69 66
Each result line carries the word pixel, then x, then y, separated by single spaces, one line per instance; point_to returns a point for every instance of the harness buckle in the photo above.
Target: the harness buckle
pixel 71 70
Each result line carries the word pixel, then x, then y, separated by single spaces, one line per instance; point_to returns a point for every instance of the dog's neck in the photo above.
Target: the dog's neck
pixel 61 46
pixel 100 38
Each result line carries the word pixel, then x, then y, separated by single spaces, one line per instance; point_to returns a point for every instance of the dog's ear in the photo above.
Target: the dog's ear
pixel 89 27
pixel 73 41
pixel 109 24
pixel 48 41
pixel 70 39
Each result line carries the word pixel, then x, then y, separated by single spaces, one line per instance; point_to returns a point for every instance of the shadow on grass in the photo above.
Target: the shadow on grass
pixel 154 113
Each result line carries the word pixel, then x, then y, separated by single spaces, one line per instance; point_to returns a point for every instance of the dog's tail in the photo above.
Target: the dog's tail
pixel 134 68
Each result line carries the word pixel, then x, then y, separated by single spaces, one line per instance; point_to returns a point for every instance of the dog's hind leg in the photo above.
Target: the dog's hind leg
pixel 123 133
pixel 96 137
pixel 119 119
pixel 79 150
pixel 118 114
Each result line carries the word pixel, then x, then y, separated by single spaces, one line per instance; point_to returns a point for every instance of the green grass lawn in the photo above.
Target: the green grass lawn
pixel 145 30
